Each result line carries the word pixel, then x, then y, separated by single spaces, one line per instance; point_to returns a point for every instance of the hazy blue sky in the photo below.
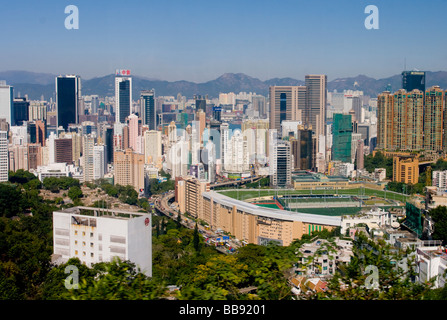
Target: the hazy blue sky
pixel 199 40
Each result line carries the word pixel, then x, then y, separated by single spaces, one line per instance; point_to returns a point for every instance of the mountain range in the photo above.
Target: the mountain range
pixel 36 85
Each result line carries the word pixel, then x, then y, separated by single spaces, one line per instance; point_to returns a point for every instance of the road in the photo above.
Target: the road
pixel 161 203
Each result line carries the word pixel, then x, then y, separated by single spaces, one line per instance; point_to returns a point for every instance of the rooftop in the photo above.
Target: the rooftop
pixel 101 212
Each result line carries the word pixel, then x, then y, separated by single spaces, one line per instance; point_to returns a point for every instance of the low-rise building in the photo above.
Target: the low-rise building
pixel 321 257
pixel 96 235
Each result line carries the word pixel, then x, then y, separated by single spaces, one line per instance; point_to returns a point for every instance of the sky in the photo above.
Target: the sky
pixel 198 40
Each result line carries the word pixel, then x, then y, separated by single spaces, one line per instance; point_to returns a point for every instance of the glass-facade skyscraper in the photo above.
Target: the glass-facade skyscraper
pixel 341 137
pixel 68 95
pixel 123 97
pixel 413 80
pixel 148 109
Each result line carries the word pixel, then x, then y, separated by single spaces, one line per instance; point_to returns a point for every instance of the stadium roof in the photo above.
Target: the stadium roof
pixel 273 213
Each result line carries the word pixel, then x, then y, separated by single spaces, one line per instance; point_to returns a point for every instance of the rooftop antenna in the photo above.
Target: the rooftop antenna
pixel 405 64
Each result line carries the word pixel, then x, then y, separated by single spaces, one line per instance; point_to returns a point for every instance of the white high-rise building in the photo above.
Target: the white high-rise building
pixel 439 179
pixel 95 235
pixel 99 162
pixel 4 159
pixel 236 154
pixel 6 101
pixel 177 158
pixel 152 147
pixel 88 158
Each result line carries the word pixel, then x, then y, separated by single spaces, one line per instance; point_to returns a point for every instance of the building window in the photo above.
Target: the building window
pixel 91 254
pixel 76 232
pixel 91 234
pixel 76 252
pixel 91 244
pixel 83 233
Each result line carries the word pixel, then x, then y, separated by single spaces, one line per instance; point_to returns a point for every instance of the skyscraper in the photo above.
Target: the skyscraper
pixel 200 103
pixel 88 157
pixel 341 137
pixel 148 111
pixel 281 164
pixel 315 114
pixel 123 95
pixel 129 169
pixel 68 95
pixel 20 111
pixel 286 103
pixel 6 101
pixel 413 80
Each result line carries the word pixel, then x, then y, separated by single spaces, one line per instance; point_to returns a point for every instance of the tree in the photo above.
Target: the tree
pixel 196 239
pixel 117 280
pixel 75 193
pixel 439 216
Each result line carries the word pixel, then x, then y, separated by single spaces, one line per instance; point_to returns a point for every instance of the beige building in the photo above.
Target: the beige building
pixel 406 169
pixel 253 224
pixel 189 194
pixel 129 168
pixel 152 148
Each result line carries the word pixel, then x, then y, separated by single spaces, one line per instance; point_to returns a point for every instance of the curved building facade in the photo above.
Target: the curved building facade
pixel 258 225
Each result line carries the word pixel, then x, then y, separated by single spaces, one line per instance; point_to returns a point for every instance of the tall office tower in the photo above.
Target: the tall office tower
pixel 88 157
pixel 281 165
pixel 32 131
pixel 341 137
pixel 4 159
pixel 20 111
pixel 148 111
pixel 63 150
pixel 68 96
pixel 200 102
pixel 109 144
pixel 315 114
pixel 123 95
pixel 37 111
pixel 357 108
pixel 413 80
pixel 152 147
pixel 134 131
pixel 6 101
pixel 259 104
pixel 434 119
pixel 129 169
pixel 286 103
pixel 99 162
pixel 305 144
pixel 217 113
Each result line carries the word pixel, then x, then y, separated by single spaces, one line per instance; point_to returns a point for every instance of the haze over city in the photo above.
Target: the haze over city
pixel 200 40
